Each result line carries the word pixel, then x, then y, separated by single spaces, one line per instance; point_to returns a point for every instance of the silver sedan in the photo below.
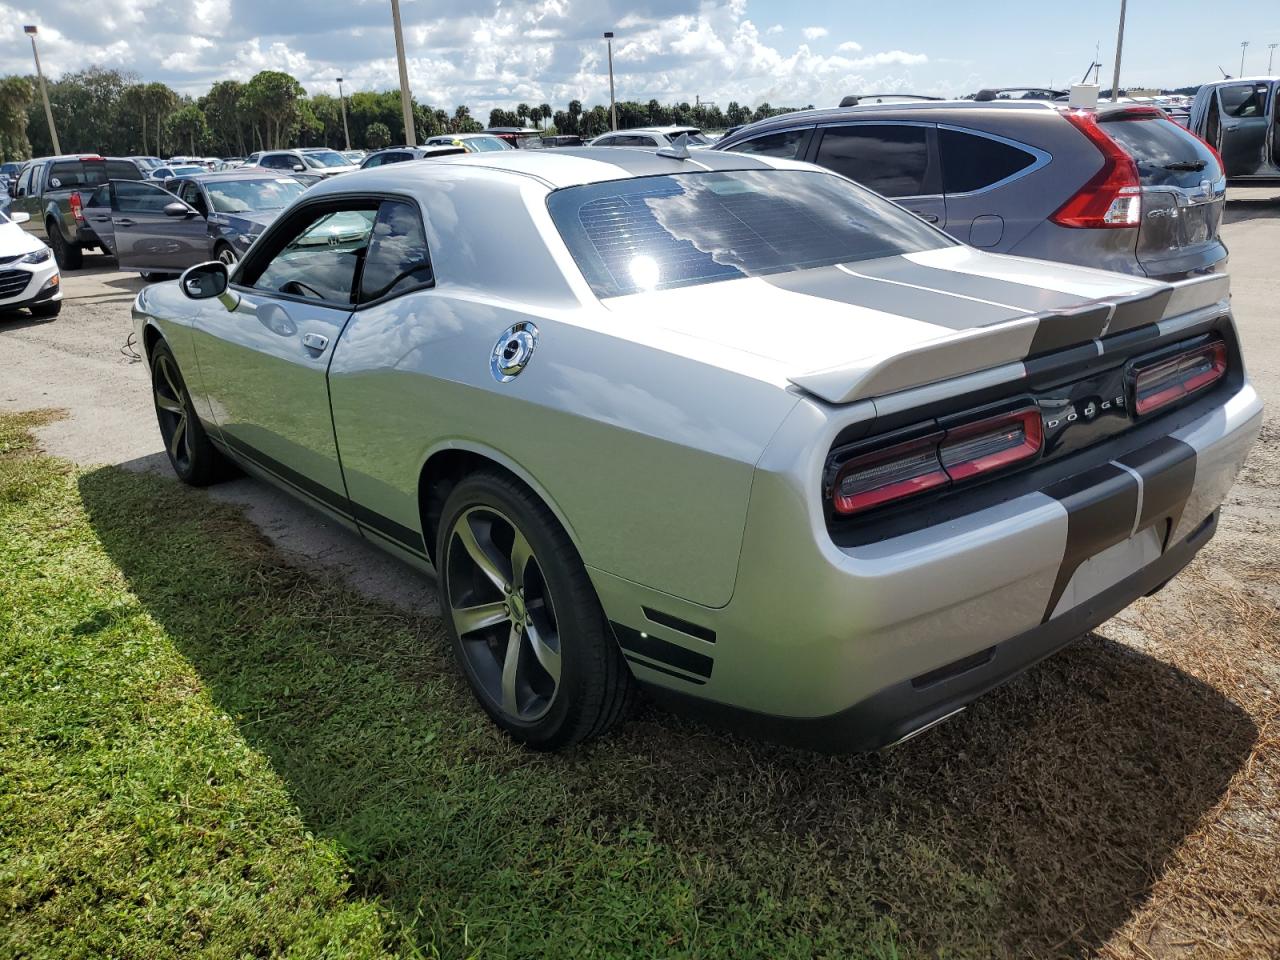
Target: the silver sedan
pixel 730 428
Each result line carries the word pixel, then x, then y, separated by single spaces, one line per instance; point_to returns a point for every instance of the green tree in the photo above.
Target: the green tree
pixel 522 114
pixel 227 126
pixel 545 110
pixel 272 98
pixel 16 96
pixel 186 127
pixel 377 135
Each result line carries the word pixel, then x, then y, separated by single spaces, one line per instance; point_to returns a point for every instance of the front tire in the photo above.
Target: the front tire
pixel 191 454
pixel 224 254
pixel 525 622
pixel 68 256
pixel 47 310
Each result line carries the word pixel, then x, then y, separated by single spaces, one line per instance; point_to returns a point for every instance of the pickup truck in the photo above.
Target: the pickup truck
pixel 53 192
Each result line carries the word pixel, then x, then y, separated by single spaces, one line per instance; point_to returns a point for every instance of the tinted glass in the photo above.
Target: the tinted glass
pixel 91 173
pixel 319 261
pixel 280 162
pixel 891 159
pixel 142 198
pixel 487 144
pixel 970 162
pixel 397 260
pixel 101 197
pixel 1244 100
pixel 652 233
pixel 785 145
pixel 1166 154
pixel 242 196
pixel 326 158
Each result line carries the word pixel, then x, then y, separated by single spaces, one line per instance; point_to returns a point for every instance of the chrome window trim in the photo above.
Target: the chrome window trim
pixel 1042 158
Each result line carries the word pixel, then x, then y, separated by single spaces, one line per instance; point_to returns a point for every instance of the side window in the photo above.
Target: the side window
pixel 1244 99
pixel 316 257
pixel 101 197
pixel 971 162
pixel 607 142
pixel 374 161
pixel 400 157
pixel 891 159
pixel 24 181
pixel 190 194
pixel 398 260
pixel 785 145
pixel 134 196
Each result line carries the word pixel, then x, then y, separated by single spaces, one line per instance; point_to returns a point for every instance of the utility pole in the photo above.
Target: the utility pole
pixel 1271 55
pixel 1115 76
pixel 346 134
pixel 44 90
pixel 1244 45
pixel 613 107
pixel 406 102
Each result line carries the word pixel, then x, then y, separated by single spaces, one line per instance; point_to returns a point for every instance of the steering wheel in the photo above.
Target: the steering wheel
pixel 298 288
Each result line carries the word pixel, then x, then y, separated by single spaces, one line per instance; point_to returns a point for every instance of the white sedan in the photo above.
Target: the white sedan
pixel 28 273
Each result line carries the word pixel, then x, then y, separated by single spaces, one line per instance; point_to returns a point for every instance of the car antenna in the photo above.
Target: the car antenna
pixel 679 149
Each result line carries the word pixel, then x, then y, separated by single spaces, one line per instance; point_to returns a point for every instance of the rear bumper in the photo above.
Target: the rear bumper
pixel 852 647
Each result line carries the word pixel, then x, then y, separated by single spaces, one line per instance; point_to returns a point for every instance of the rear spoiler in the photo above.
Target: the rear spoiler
pixel 979 348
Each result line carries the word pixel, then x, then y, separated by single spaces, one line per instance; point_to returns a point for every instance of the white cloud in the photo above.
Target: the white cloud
pixel 775 29
pixel 849 46
pixel 815 33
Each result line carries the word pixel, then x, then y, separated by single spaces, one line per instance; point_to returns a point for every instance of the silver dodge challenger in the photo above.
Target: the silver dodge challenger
pixel 729 428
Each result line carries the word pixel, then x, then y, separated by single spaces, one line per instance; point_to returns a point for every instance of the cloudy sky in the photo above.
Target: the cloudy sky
pixel 496 52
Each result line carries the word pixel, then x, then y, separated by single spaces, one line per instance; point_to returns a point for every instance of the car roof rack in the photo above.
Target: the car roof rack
pixel 989 94
pixel 854 99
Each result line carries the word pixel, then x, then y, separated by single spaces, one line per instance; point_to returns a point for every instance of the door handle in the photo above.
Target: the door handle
pixel 315 341
pixel 926 217
pixel 100 219
pixel 125 222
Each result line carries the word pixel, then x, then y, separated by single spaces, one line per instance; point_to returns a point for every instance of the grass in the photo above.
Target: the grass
pixel 205 751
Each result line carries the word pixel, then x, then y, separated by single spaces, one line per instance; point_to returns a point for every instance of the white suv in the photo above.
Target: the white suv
pixel 318 160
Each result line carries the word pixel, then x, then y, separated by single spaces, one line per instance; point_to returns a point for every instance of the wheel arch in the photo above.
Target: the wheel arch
pixel 151 335
pixel 449 461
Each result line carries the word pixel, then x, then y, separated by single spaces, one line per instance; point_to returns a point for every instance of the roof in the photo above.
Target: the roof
pixel 237 173
pixel 562 167
pixel 1219 83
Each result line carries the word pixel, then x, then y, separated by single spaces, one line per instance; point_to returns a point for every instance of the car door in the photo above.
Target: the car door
pixel 27 198
pixel 263 364
pixel 977 170
pixel 897 159
pixel 148 238
pixel 1244 120
pixel 97 211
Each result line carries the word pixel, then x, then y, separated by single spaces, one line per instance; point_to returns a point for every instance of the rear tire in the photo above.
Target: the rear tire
pixel 47 310
pixel 68 256
pixel 192 455
pixel 509 574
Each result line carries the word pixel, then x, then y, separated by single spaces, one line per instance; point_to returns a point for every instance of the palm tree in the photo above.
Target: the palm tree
pixel 545 109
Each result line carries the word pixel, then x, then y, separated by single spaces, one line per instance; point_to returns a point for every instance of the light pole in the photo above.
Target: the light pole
pixel 613 107
pixel 44 90
pixel 346 134
pixel 1115 76
pixel 1244 45
pixel 1271 47
pixel 406 102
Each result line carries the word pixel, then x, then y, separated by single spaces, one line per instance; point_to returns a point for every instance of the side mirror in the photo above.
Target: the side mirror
pixel 178 209
pixel 19 217
pixel 298 168
pixel 205 281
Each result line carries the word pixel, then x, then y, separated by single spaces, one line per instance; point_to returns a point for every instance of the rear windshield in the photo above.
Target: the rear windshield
pixel 90 173
pixel 1166 154
pixel 653 233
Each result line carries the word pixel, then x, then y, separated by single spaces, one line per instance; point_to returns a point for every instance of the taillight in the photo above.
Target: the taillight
pixel 1113 195
pixel 77 208
pixel 1166 381
pixel 942 458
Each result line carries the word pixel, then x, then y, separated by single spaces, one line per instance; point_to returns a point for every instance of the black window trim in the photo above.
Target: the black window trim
pixel 933 172
pixel 281 224
pixel 1043 158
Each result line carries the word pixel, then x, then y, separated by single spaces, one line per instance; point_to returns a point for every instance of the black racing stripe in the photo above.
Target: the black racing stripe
pixel 676 623
pixel 942 309
pixel 670 673
pixel 317 491
pixel 1066 328
pixel 1139 311
pixel 1026 296
pixel 409 539
pixel 406 537
pixel 664 651
pixel 1168 471
pixel 1101 504
pixel 1077 362
pixel 1129 339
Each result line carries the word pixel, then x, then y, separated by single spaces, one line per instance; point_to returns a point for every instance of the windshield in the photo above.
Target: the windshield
pixel 326 158
pixel 486 144
pixel 653 233
pixel 186 171
pixel 243 196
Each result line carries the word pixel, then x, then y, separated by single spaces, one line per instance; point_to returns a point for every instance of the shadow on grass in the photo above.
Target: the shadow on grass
pixel 1032 825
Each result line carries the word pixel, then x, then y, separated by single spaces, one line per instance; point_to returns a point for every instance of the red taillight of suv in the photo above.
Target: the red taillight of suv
pixel 941 458
pixel 1113 196
pixel 77 207
pixel 1158 384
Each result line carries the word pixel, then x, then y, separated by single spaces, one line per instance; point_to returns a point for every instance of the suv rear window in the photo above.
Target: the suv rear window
pixel 653 233
pixel 90 173
pixel 1166 154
